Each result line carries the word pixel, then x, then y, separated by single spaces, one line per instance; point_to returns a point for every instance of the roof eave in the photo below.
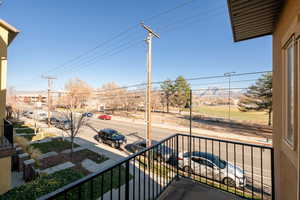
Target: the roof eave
pixel 13 32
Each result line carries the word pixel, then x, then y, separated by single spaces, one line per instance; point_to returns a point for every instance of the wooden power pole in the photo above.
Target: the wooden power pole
pixel 151 33
pixel 50 83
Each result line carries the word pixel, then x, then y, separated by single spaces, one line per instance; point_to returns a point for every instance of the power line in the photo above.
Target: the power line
pixel 188 79
pixel 129 28
pixel 169 24
pixel 119 35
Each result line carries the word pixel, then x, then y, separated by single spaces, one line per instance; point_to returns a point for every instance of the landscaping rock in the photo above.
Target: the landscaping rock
pixel 21 159
pixel 29 173
pixel 41 141
pixel 46 155
pixel 19 150
pixel 74 150
pixel 57 168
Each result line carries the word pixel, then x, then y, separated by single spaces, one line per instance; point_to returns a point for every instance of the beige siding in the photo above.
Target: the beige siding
pixel 286 157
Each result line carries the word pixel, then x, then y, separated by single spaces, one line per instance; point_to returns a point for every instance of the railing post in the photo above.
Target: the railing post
pixel 273 174
pixel 177 155
pixel 127 180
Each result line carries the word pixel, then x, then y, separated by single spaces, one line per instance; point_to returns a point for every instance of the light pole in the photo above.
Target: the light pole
pixel 151 33
pixel 229 74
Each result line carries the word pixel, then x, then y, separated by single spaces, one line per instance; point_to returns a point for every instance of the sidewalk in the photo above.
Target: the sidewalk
pixel 202 132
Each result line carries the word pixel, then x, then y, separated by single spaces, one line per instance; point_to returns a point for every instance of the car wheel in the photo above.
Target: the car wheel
pixel 229 181
pixel 187 169
pixel 160 158
pixel 115 145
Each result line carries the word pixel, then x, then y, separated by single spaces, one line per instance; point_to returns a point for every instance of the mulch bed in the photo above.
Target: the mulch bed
pixel 78 157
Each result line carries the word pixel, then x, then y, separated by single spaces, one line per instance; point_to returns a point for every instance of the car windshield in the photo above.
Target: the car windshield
pixel 213 158
pixel 115 135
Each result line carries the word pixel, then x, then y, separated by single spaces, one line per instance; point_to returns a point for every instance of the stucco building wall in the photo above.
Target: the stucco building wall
pixel 5 174
pixel 286 156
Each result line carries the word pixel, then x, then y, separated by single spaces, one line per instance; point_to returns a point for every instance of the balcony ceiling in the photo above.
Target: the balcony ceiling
pixel 253 18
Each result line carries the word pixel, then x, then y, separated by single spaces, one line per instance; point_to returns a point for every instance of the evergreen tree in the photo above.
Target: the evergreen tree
pixel 182 93
pixel 259 96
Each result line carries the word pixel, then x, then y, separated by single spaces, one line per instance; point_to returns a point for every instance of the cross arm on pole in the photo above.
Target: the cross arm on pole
pixel 149 30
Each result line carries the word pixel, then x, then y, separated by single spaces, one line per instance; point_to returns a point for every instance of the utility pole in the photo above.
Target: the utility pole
pixel 228 74
pixel 50 83
pixel 151 33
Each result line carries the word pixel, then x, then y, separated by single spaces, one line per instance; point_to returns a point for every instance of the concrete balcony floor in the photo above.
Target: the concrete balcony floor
pixel 185 189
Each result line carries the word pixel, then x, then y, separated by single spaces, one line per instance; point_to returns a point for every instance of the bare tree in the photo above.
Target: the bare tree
pixel 75 122
pixel 157 100
pixel 113 96
pixel 78 92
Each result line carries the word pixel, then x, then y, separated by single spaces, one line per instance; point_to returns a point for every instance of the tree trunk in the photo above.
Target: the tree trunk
pixel 270 117
pixel 72 147
pixel 168 105
pixel 72 136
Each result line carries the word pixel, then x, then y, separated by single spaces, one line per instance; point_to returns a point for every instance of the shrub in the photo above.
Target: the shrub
pixel 34 153
pixel 22 142
pixel 42 185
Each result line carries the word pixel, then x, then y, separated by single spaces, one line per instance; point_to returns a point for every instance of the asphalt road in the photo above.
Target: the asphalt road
pixel 255 160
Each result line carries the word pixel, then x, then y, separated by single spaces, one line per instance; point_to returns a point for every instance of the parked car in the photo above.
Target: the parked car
pixel 87 114
pixel 104 117
pixel 212 167
pixel 41 116
pixel 162 152
pixel 63 124
pixel 53 120
pixel 111 137
pixel 30 115
pixel 25 113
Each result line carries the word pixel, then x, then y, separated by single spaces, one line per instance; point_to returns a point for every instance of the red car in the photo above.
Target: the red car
pixel 104 117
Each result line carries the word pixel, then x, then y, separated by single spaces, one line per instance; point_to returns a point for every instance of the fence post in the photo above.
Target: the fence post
pixel 127 180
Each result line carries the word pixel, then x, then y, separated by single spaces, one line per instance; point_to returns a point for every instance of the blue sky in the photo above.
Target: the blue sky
pixel 196 40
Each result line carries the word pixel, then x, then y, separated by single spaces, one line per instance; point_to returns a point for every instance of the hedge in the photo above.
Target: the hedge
pixel 42 185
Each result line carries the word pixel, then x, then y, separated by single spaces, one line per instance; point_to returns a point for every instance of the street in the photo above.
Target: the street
pixel 256 160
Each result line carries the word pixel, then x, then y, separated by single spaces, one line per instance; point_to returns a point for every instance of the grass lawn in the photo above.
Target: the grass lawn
pixel 222 112
pixel 57 145
pixel 28 137
pixel 25 130
pixel 18 125
pixel 87 154
pixel 115 177
pixel 39 136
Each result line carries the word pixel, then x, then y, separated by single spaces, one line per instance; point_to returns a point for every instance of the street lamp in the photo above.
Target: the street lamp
pixel 229 74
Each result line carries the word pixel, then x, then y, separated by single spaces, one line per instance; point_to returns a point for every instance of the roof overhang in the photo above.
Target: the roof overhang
pixel 13 32
pixel 253 18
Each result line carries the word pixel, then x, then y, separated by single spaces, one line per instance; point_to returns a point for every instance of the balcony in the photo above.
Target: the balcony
pixel 182 167
pixel 6 140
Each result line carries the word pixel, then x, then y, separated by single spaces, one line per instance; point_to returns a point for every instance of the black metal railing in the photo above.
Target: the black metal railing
pixel 9 131
pixel 243 169
pixel 6 140
pixel 240 168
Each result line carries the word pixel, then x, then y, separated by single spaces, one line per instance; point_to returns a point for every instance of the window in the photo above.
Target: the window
pixel 202 161
pixel 290 90
pixel 290 93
